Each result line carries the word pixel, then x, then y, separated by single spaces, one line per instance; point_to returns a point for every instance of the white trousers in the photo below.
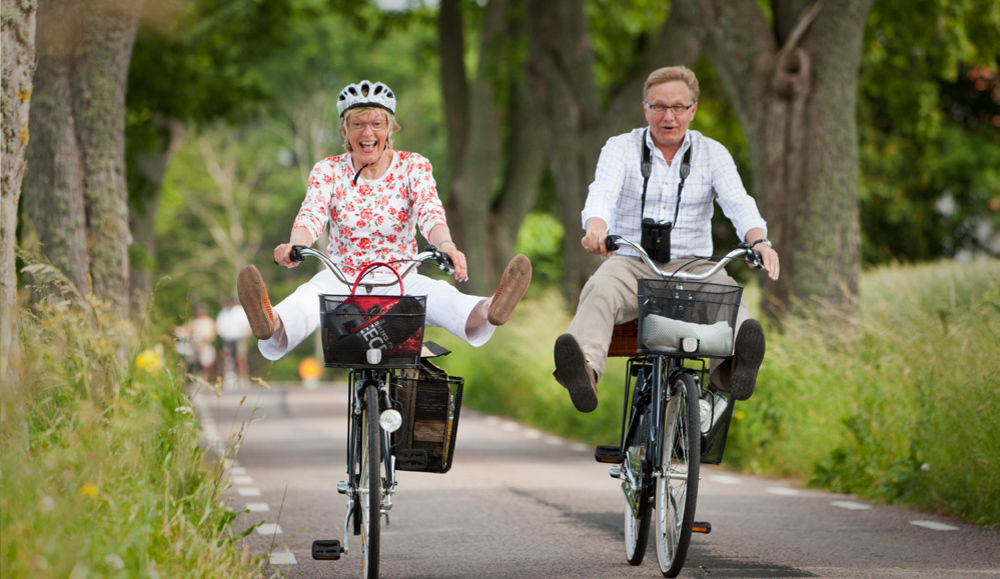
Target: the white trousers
pixel 447 308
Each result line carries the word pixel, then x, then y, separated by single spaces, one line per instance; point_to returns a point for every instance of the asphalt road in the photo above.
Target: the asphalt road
pixel 522 503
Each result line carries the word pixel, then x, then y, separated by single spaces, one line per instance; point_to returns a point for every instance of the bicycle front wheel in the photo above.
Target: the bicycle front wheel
pixel 370 483
pixel 677 488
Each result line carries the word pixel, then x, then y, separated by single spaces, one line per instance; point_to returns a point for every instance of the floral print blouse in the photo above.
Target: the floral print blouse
pixel 372 220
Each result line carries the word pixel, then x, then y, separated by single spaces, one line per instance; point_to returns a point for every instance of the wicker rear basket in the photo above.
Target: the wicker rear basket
pixel 431 402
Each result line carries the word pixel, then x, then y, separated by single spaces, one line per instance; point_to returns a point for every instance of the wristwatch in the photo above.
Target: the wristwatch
pixel 763 240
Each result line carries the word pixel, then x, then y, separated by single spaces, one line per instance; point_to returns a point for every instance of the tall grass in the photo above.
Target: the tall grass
pixel 101 473
pixel 902 410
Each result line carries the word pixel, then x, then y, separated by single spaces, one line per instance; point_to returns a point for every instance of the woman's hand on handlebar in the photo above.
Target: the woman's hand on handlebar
pixel 282 255
pixel 457 258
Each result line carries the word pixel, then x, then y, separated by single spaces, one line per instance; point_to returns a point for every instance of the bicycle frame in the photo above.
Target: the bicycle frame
pixel 365 422
pixel 650 421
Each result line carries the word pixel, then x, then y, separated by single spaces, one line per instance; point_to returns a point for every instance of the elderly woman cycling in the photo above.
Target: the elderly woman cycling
pixel 373 198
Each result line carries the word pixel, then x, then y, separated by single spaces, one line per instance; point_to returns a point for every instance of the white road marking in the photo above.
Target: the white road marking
pixel 580 447
pixel 248 492
pixel 851 505
pixel 555 440
pixel 725 479
pixel 934 526
pixel 269 529
pixel 242 480
pixel 784 491
pixel 238 470
pixel 286 558
pixel 258 507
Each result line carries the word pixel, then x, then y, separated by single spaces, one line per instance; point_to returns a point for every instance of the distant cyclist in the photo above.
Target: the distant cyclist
pixel 669 209
pixel 372 199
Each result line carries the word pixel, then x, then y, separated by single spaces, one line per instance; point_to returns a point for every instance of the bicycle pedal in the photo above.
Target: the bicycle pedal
pixel 609 454
pixel 703 527
pixel 327 550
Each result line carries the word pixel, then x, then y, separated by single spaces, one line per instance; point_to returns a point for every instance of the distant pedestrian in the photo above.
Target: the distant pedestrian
pixel 201 328
pixel 234 329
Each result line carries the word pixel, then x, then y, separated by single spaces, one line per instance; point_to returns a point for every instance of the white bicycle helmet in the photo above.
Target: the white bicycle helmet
pixel 366 93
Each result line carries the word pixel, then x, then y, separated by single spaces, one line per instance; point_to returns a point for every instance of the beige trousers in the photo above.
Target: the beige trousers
pixel 610 297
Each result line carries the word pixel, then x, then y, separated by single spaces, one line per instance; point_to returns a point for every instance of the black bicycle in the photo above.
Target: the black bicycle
pixel 671 421
pixel 403 410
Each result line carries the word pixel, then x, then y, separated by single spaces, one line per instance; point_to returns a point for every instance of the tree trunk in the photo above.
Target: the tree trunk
pixel 486 207
pixel 77 166
pixel 18 45
pixel 573 127
pixel 794 87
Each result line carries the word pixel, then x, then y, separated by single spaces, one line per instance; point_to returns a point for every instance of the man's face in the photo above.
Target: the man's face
pixel 669 126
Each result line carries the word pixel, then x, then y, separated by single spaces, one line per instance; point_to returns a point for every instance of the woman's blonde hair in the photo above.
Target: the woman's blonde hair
pixel 351 113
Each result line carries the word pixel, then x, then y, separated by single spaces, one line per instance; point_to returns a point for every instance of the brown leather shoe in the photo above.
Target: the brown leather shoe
pixel 513 283
pixel 253 297
pixel 573 372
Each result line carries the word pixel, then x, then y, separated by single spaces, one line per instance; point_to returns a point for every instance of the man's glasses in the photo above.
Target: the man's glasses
pixel 662 109
pixel 378 125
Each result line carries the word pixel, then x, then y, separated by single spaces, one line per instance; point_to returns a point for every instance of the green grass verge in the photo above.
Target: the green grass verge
pixel 900 409
pixel 101 474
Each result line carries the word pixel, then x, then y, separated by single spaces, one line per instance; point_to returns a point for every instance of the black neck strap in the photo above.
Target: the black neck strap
pixel 646 166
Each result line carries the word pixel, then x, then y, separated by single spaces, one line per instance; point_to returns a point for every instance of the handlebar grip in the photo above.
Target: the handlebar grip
pixel 296 253
pixel 445 263
pixel 609 243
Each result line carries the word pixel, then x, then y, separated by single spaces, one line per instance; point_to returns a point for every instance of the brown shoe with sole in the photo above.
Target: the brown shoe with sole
pixel 513 283
pixel 253 297
pixel 573 372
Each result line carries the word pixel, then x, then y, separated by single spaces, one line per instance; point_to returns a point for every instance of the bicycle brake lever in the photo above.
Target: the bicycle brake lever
pixel 609 243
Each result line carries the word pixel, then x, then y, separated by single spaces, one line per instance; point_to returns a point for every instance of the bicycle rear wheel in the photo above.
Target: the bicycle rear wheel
pixel 636 483
pixel 370 483
pixel 677 488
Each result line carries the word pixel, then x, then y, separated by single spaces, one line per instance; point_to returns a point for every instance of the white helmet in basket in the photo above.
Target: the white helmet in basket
pixel 366 93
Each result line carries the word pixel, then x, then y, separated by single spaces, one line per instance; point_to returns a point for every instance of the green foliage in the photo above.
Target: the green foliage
pixel 101 473
pixel 928 125
pixel 621 33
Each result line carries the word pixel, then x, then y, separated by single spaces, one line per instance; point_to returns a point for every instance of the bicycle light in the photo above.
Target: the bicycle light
pixel 374 356
pixel 390 420
pixel 689 345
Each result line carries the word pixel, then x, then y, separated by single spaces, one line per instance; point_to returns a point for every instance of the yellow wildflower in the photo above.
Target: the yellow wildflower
pixel 149 361
pixel 88 490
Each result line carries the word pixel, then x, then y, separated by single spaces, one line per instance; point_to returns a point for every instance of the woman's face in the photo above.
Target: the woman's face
pixel 368 135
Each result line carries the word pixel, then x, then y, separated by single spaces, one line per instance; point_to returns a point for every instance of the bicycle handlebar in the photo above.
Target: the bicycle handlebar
pixel 751 256
pixel 441 259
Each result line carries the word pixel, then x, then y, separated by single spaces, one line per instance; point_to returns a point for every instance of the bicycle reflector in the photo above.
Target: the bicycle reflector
pixel 390 420
pixel 689 345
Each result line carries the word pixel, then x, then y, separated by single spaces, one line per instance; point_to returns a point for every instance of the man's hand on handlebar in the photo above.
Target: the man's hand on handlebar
pixel 769 259
pixel 593 239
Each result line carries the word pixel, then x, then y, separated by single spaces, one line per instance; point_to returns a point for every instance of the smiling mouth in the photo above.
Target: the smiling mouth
pixel 368 146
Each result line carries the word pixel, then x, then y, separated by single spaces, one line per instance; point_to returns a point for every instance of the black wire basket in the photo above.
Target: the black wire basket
pixel 351 325
pixel 687 318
